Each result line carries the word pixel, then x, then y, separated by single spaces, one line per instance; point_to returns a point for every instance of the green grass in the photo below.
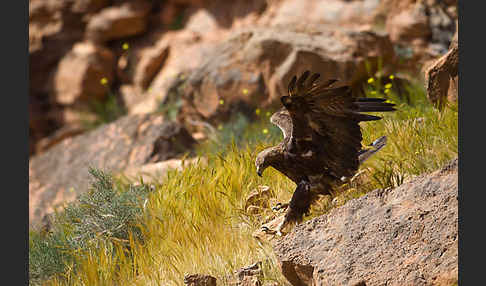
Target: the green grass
pixel 104 111
pixel 195 222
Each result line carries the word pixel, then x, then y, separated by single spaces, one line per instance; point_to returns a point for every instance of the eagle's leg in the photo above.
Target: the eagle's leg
pixel 298 205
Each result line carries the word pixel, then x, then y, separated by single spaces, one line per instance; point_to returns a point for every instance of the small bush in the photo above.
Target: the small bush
pixel 106 215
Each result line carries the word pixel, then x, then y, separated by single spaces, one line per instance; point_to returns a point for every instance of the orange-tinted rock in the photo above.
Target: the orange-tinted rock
pixel 199 280
pixel 116 22
pixel 409 24
pixel 442 76
pixel 253 66
pixel 79 74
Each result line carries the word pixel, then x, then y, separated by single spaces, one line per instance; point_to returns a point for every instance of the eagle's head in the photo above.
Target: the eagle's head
pixel 265 159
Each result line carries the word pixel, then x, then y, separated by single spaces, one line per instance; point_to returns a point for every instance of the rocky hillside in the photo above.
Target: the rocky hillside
pixel 82 51
pixel 133 86
pixel 200 62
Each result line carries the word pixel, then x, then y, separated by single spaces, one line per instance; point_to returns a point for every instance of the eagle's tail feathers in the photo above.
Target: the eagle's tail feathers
pixel 375 147
pixel 374 105
pixel 366 117
pixel 375 108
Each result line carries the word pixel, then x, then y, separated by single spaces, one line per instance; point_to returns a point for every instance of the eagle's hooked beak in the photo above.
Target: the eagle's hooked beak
pixel 259 171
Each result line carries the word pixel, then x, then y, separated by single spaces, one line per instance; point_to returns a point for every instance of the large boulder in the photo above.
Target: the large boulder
pixel 79 74
pixel 420 30
pixel 442 76
pixel 253 66
pixel 54 26
pixel 174 53
pixel 61 173
pixel 409 24
pixel 402 236
pixel 337 12
pixel 117 22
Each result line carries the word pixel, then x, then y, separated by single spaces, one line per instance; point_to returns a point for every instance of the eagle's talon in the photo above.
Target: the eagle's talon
pixel 280 206
pixel 267 230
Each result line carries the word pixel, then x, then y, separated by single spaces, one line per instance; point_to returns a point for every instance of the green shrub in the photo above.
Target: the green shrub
pixel 105 215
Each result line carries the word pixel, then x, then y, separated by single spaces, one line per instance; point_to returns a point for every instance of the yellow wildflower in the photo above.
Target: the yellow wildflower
pixel 388 85
pixel 104 81
pixel 373 92
pixel 245 91
pixel 125 46
pixel 371 80
pixel 391 76
pixel 221 102
pixel 257 111
pixel 268 113
pixel 387 91
pixel 265 131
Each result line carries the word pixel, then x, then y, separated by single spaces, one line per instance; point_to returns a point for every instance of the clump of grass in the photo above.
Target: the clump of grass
pixel 240 131
pixel 195 221
pixel 105 111
pixel 171 105
pixel 104 217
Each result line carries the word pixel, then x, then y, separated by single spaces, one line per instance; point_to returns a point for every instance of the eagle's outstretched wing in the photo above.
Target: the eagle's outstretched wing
pixel 325 123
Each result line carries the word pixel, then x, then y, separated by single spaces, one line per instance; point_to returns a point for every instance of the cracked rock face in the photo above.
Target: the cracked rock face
pixel 404 236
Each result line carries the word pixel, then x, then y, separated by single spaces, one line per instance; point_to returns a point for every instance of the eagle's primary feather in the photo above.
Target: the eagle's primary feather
pixel 322 138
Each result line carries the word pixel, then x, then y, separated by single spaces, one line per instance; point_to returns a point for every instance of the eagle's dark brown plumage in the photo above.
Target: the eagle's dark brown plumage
pixel 322 139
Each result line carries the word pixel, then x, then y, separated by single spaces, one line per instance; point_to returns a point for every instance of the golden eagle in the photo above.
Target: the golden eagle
pixel 322 139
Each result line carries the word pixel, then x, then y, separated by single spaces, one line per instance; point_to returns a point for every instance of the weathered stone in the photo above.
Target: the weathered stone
pixel 442 77
pixel 53 28
pixel 61 173
pixel 250 275
pixel 58 136
pixel 336 12
pixel 156 171
pixel 409 24
pixel 150 61
pixel 402 236
pixel 186 51
pixel 89 6
pixel 199 280
pixel 254 66
pixel 79 74
pixel 116 22
pixel 258 197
